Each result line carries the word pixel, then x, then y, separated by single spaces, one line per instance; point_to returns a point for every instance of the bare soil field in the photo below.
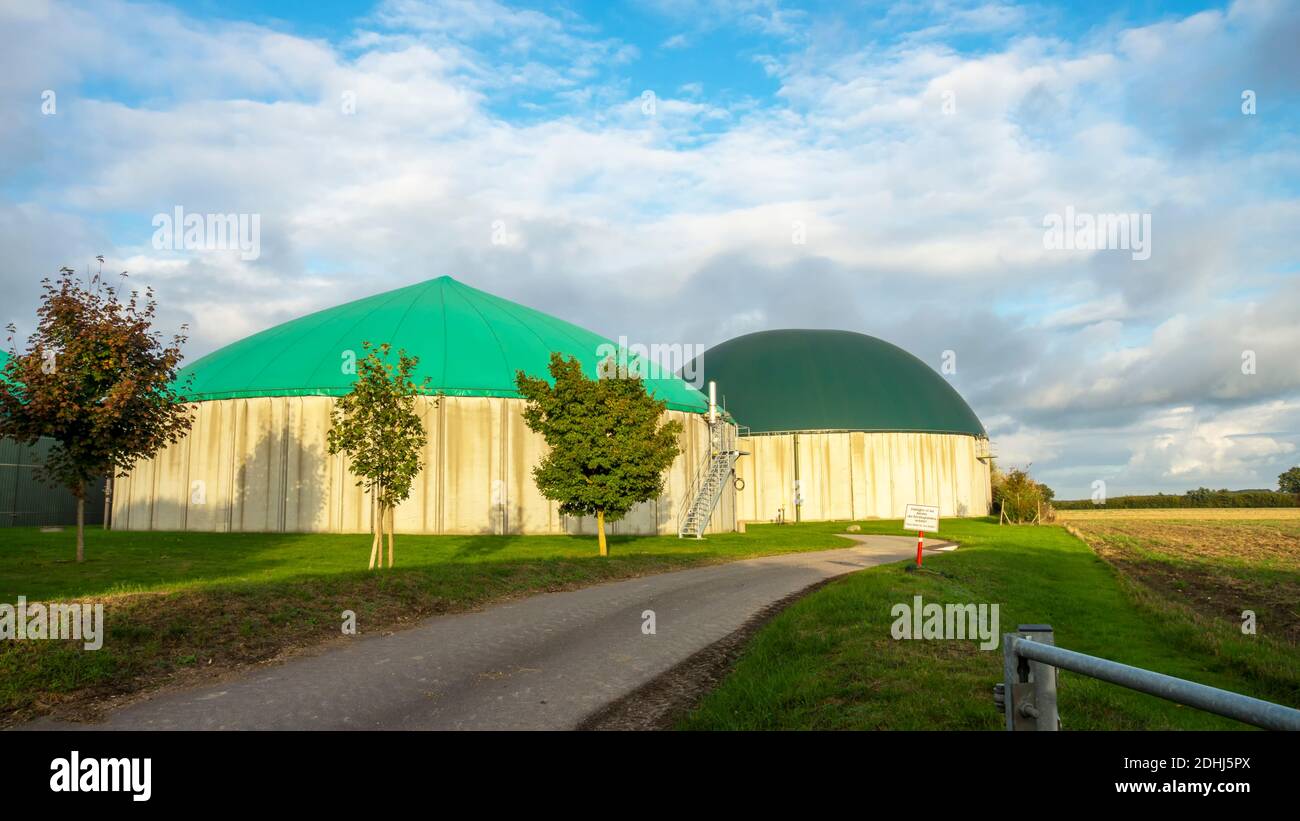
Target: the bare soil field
pixel 1217 562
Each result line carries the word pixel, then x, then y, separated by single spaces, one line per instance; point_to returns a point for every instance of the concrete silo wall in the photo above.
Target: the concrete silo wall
pixel 856 475
pixel 262 464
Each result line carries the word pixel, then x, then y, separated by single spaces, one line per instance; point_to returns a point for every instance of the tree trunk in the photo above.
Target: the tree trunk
pixel 374 526
pixel 81 526
pixel 391 517
pixel 600 529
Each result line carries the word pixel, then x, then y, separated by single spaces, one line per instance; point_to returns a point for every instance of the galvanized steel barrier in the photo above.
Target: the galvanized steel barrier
pixel 1028 692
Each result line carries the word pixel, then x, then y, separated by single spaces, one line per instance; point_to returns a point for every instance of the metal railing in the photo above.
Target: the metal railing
pixel 1028 692
pixel 693 490
pixel 706 487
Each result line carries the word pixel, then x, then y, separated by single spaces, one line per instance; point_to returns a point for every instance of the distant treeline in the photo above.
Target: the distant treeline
pixel 1193 498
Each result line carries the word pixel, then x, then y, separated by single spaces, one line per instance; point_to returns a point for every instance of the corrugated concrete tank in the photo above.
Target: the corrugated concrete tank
pixel 841 425
pixel 257 460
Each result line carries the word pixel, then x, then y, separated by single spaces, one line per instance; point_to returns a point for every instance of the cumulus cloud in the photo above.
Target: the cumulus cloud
pixel 894 186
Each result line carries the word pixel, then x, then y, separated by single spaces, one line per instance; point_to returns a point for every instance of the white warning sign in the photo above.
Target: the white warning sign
pixel 921 518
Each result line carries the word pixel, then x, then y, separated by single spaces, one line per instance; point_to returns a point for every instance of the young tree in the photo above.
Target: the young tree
pixel 377 427
pixel 609 449
pixel 95 378
pixel 1289 482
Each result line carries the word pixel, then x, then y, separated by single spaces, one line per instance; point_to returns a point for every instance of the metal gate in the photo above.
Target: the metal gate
pixel 1028 693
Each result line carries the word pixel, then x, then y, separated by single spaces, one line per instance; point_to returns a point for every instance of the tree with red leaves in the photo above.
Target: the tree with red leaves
pixel 97 379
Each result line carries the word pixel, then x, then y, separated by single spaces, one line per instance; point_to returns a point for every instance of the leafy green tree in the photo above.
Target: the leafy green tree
pixel 96 379
pixel 377 426
pixel 1289 482
pixel 609 447
pixel 1018 498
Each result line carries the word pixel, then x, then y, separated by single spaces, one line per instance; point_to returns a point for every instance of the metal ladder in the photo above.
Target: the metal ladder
pixel 706 488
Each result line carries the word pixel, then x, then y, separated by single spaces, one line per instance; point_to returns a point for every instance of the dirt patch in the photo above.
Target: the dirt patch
pixel 186 638
pixel 1223 543
pixel 659 703
pixel 1218 570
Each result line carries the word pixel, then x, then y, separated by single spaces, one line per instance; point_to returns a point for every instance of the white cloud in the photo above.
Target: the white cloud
pixel 1227 448
pixel 678 226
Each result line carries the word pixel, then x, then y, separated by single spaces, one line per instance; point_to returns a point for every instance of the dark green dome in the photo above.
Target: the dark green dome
pixel 804 380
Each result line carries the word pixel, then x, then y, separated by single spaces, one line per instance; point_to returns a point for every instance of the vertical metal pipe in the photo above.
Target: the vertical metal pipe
pixel 108 502
pixel 1009 678
pixel 1044 677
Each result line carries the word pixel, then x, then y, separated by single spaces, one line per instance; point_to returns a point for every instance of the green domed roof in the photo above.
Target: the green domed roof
pixel 470 343
pixel 799 380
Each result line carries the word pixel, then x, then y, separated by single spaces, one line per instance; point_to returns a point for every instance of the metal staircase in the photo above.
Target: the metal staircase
pixel 706 488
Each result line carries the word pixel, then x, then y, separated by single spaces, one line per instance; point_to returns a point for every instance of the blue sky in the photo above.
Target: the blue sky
pixel 879 167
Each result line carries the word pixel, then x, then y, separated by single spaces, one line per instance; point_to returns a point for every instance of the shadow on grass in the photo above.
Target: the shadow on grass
pixel 38 566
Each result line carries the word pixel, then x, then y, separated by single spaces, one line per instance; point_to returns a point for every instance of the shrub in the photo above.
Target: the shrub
pixel 1020 498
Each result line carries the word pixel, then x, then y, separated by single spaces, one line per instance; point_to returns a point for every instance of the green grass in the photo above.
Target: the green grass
pixel 40 565
pixel 187 604
pixel 181 607
pixel 829 661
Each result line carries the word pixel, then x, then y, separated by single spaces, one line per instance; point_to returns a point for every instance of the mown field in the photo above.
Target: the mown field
pixel 1213 567
pixel 1273 514
pixel 1160 591
pixel 185 607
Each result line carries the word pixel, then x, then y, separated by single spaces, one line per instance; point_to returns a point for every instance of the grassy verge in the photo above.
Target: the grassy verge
pixel 829 661
pixel 184 607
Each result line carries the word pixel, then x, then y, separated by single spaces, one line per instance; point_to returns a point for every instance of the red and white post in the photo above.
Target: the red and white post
pixel 921 517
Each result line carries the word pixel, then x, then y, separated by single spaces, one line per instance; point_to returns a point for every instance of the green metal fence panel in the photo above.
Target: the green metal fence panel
pixel 28 500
